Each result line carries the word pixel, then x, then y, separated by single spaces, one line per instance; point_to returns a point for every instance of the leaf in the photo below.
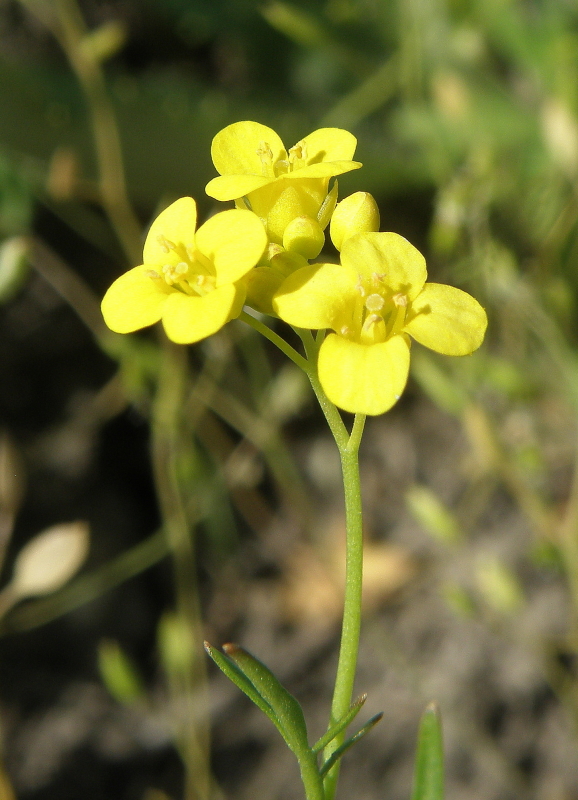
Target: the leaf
pixel 429 763
pixel 340 725
pixel 230 669
pixel 287 713
pixel 336 755
pixel 49 560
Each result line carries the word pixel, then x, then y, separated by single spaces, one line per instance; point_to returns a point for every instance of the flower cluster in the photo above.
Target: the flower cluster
pixel 259 254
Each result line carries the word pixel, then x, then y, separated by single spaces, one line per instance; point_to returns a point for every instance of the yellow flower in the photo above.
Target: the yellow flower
pixel 279 185
pixel 372 301
pixel 192 281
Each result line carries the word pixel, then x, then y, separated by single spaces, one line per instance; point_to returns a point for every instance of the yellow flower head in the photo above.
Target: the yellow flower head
pixel 279 185
pixel 192 281
pixel 372 301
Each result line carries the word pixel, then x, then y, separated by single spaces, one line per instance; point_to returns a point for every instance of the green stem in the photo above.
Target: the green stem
pixel 348 445
pixel 277 340
pixel 353 586
pixel 310 776
pixel 330 412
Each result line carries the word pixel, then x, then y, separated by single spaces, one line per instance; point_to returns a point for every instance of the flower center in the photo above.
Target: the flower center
pixel 296 159
pixel 192 274
pixel 378 313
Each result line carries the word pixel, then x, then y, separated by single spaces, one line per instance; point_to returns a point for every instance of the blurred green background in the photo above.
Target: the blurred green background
pixel 206 475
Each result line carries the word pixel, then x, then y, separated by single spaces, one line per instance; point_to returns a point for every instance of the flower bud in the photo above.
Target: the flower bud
pixel 263 281
pixel 304 235
pixel 261 284
pixel 357 213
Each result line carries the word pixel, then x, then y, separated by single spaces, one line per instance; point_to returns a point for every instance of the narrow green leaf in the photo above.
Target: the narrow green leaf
pixel 336 755
pixel 428 781
pixel 287 711
pixel 340 725
pixel 230 669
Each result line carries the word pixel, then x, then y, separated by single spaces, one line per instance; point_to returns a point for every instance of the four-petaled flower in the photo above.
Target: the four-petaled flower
pixel 372 301
pixel 192 281
pixel 279 185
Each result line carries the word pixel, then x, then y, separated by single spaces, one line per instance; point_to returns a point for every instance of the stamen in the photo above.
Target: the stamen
pixel 165 244
pixel 174 273
pixel 400 299
pixel 152 273
pixel 297 153
pixel 266 155
pixel 372 319
pixel 345 330
pixel 373 329
pixel 359 286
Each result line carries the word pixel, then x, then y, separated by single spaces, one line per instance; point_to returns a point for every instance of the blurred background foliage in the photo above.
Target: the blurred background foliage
pixel 466 114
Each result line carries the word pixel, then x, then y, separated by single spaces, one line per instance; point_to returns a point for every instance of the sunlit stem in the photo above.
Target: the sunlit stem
pixel 331 413
pixel 348 445
pixel 349 647
pixel 277 340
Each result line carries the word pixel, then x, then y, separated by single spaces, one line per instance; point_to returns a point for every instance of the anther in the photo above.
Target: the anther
pixel 298 152
pixel 400 299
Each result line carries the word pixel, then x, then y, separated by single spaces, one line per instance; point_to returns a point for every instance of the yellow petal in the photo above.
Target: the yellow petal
pixel 325 169
pixel 234 241
pixel 231 187
pixel 235 149
pixel 134 301
pixel 389 255
pixel 287 204
pixel 318 296
pixel 189 319
pixel 363 379
pixel 176 223
pixel 447 320
pixel 330 144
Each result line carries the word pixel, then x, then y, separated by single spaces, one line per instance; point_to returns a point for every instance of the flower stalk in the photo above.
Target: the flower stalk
pixel 351 625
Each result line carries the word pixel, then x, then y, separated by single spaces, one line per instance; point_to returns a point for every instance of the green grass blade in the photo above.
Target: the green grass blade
pixel 429 764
